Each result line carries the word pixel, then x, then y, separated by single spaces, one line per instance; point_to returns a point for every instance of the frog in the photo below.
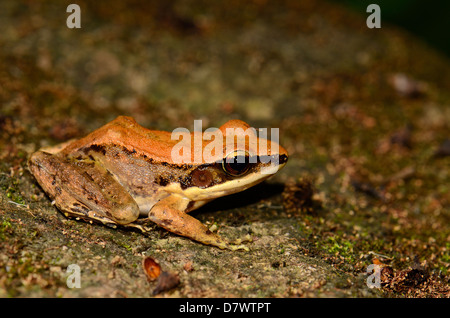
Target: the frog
pixel 125 175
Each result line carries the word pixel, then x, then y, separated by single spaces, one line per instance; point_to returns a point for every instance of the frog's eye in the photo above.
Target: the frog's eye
pixel 236 163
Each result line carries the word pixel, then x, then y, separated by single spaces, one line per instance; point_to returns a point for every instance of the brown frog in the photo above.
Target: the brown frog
pixel 123 173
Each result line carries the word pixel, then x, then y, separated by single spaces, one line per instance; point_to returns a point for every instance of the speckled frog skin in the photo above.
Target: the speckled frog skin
pixel 123 173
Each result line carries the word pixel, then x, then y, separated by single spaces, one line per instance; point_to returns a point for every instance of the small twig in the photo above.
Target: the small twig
pixel 380 255
pixel 19 204
pixel 22 206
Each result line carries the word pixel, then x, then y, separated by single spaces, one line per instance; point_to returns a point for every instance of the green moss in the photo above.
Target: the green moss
pixel 6 229
pixel 12 190
pixel 337 246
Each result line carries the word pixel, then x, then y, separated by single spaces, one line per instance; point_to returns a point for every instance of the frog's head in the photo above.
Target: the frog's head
pixel 243 160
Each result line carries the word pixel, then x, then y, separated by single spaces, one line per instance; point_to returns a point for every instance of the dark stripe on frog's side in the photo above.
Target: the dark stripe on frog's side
pixel 95 148
pixel 162 181
pixel 103 150
pixel 79 208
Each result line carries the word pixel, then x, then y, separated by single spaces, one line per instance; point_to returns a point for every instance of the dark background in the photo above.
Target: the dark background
pixel 429 20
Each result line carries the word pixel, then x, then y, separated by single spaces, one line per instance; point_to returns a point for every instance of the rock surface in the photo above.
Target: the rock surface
pixel 362 112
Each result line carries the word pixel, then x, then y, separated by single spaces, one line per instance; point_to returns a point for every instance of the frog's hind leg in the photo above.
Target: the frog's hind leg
pixel 82 188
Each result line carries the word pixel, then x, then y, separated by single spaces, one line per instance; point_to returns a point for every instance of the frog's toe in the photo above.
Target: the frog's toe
pixel 232 246
pixel 238 247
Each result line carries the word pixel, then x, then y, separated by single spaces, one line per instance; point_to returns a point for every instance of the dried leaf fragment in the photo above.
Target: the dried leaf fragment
pixel 153 271
pixel 166 281
pixel 151 268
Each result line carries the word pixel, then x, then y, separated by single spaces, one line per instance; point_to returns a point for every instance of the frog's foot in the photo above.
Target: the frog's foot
pixel 168 213
pixel 233 247
pixel 237 244
pixel 145 225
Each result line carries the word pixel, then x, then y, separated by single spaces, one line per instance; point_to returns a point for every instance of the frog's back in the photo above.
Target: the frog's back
pixel 124 132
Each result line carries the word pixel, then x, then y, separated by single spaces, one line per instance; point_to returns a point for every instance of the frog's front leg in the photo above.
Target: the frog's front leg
pixel 81 187
pixel 169 214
